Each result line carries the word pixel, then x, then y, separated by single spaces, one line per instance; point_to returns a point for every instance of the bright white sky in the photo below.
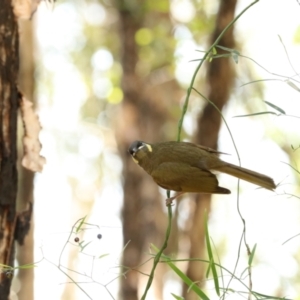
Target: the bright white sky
pixel 271 219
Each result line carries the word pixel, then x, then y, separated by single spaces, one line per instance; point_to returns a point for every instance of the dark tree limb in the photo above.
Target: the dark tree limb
pixel 145 110
pixel 9 98
pixel 220 78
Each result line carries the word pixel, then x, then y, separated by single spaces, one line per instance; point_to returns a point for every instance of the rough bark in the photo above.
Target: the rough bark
pixel 220 78
pixel 9 97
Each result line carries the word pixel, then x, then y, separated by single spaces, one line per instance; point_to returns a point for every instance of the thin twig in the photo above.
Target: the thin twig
pixel 189 90
pixel 159 254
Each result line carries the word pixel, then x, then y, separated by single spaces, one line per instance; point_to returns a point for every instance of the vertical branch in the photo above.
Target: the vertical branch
pixel 24 253
pixel 220 77
pixel 132 206
pixel 144 113
pixel 9 97
pixel 141 118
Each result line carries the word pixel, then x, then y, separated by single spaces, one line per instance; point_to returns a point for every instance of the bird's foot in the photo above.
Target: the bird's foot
pixel 169 201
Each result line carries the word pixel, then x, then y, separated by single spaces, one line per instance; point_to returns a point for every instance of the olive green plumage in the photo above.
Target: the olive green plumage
pixel 187 167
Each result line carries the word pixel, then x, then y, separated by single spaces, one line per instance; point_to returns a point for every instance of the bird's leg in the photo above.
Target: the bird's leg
pixel 169 200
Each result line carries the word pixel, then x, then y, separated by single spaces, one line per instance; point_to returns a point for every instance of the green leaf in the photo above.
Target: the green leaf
pixel 211 258
pixel 207 272
pixel 222 55
pixel 250 260
pixel 263 296
pixel 103 255
pixel 245 270
pixel 82 246
pixel 193 60
pixel 293 85
pixel 235 57
pixel 259 80
pixel 27 266
pixel 233 53
pixel 256 114
pixel 177 297
pixel 228 49
pixel 292 146
pixel 291 167
pixel 275 107
pixel 80 224
pixel 192 286
pixel 188 281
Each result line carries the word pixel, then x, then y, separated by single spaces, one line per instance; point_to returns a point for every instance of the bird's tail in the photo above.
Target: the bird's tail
pixel 248 175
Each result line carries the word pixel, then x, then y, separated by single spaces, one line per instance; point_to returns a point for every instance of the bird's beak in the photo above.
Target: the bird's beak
pixel 132 151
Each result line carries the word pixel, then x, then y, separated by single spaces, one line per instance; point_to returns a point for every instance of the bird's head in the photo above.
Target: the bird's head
pixel 139 150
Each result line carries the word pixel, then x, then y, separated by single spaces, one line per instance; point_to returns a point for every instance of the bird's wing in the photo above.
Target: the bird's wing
pixel 210 150
pixel 185 178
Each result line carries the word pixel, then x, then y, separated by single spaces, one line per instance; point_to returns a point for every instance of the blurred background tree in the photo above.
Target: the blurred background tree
pixel 25 253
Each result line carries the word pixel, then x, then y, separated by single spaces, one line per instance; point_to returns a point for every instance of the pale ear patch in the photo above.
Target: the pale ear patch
pixel 135 160
pixel 149 147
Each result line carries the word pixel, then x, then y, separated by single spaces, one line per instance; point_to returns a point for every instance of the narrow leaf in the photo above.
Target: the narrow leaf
pixel 233 53
pixel 235 57
pixel 84 246
pixel 263 296
pixel 222 55
pixel 207 272
pixel 183 277
pixel 192 60
pixel 246 270
pixel 103 255
pixel 80 224
pixel 293 85
pixel 28 266
pixel 256 114
pixel 275 107
pixel 211 258
pixel 188 281
pixel 250 260
pixel 260 80
pixel 228 49
pixel 296 170
pixel 177 297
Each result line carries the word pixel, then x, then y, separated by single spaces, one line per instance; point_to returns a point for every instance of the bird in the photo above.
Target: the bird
pixel 186 167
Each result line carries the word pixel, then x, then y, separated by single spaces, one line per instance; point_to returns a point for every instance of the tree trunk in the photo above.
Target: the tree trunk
pixel 25 186
pixel 145 110
pixel 220 79
pixel 9 97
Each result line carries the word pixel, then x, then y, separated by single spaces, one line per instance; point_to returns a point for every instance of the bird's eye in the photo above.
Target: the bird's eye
pixel 140 145
pixel 135 146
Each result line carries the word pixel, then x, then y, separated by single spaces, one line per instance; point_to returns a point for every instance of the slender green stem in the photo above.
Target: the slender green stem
pixel 185 106
pixel 159 254
pixel 189 90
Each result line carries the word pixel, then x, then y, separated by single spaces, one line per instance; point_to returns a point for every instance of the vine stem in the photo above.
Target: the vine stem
pixel 206 55
pixel 159 254
pixel 180 123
